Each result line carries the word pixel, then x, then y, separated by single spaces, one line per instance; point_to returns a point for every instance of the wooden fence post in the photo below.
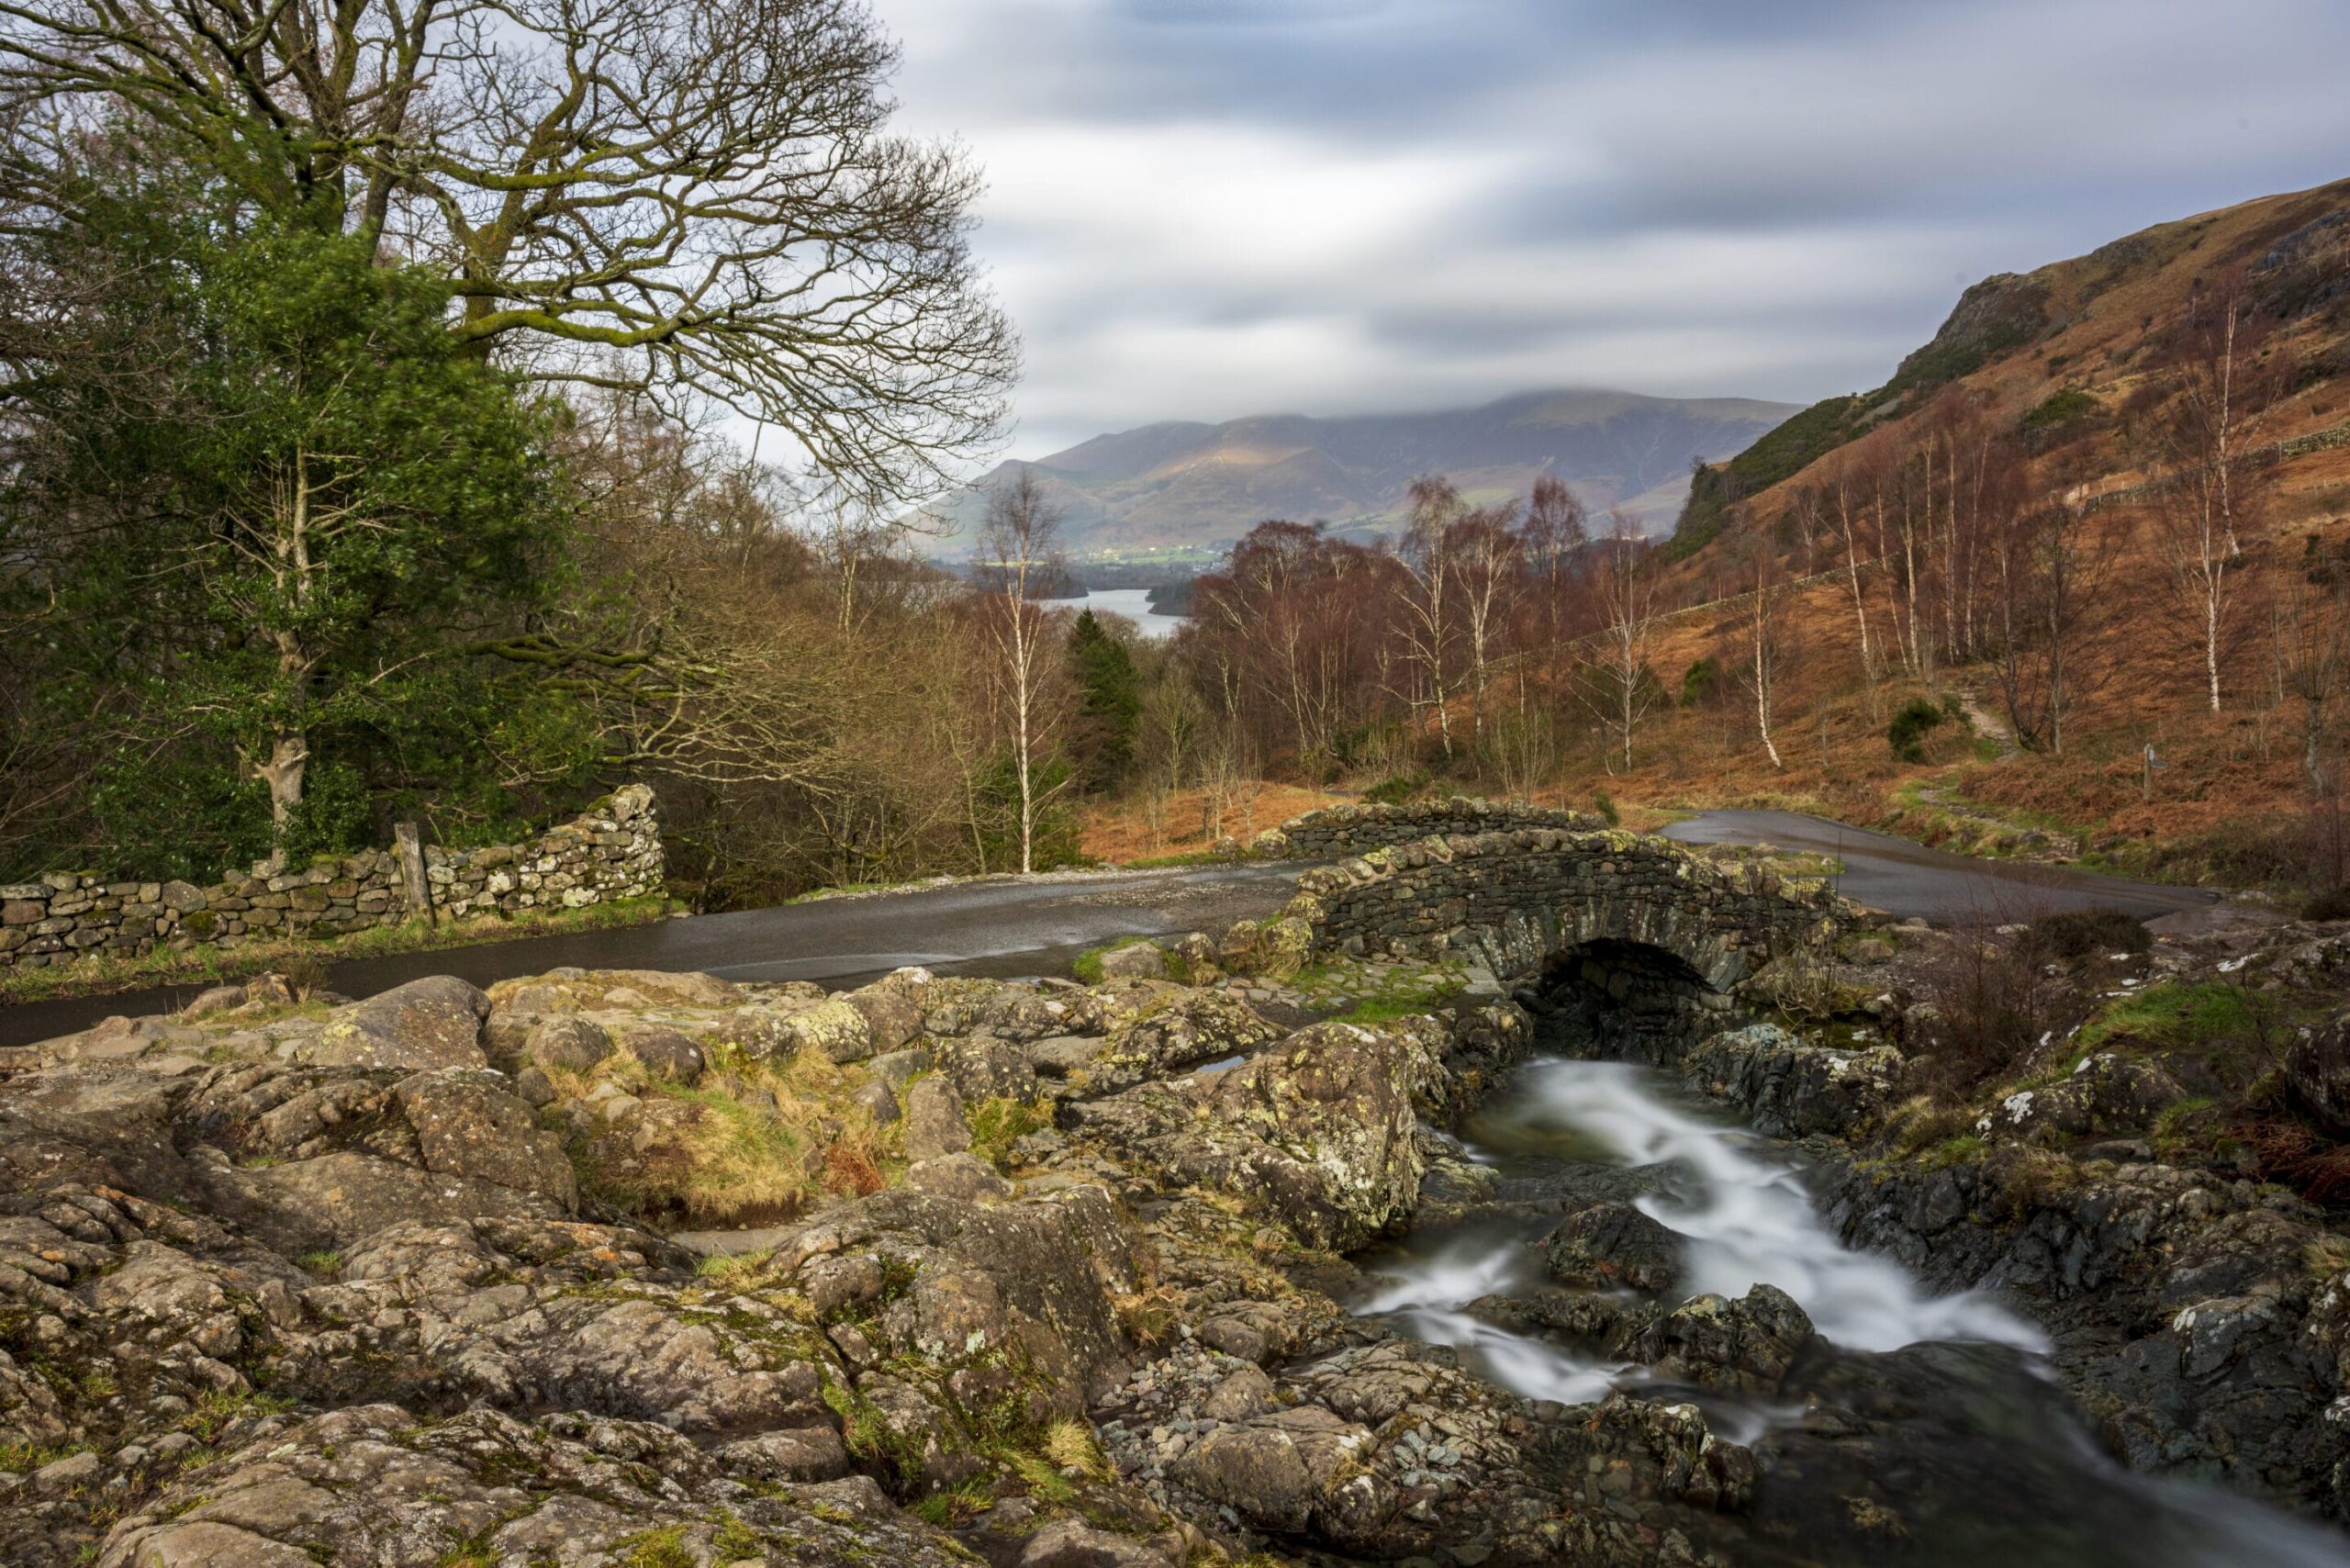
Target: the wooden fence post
pixel 412 853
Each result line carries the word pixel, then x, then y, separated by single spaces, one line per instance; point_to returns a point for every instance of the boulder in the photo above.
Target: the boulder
pixel 935 1124
pixel 986 1069
pixel 567 1042
pixel 2316 1069
pixel 218 999
pixel 875 1099
pixel 957 1176
pixel 1276 1470
pixel 1073 1543
pixel 892 1014
pixel 1183 1029
pixel 378 1483
pixel 430 1023
pixel 1318 1132
pixel 836 1027
pixel 1611 1245
pixel 1747 1344
pixel 339 1200
pixel 1136 960
pixel 468 1127
pixel 662 1051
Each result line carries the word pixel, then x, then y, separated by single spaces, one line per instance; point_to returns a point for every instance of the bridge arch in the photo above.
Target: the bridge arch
pixel 1521 902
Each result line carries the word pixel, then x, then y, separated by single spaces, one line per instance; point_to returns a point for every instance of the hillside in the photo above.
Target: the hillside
pixel 2057 353
pixel 1179 484
pixel 2058 394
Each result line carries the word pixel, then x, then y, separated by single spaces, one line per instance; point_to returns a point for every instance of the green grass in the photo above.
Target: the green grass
pixel 25 1458
pixel 998 1123
pixel 663 1548
pixel 326 1265
pixel 2167 1018
pixel 98 975
pixel 1404 995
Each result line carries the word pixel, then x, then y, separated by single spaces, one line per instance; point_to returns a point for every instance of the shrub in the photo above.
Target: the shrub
pixel 2335 905
pixel 1907 734
pixel 1395 790
pixel 2082 932
pixel 1604 804
pixel 2058 409
pixel 1699 682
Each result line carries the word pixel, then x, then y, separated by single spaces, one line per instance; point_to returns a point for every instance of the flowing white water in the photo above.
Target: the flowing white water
pixel 1750 1222
pixel 1744 1218
pixel 1746 1221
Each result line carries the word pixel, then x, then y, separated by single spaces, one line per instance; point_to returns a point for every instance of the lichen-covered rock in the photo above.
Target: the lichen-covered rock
pixel 2317 1069
pixel 1790 1087
pixel 2107 1095
pixel 1318 1132
pixel 430 1023
pixel 1714 1342
pixel 468 1125
pixel 664 1052
pixel 375 1485
pixel 935 1124
pixel 1190 1027
pixel 837 1027
pixel 567 1044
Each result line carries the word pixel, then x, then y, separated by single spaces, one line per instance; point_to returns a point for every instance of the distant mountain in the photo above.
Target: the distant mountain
pixel 1188 484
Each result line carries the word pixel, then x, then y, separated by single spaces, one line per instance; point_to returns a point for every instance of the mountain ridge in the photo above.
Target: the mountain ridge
pixel 1188 482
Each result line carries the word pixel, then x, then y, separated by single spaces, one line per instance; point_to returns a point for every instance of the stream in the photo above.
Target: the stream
pixel 1992 1457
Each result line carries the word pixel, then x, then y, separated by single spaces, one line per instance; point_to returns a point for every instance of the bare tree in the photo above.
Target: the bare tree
pixel 2190 528
pixel 1623 589
pixel 2048 568
pixel 2312 631
pixel 695 198
pixel 1431 598
pixel 1851 528
pixel 1487 561
pixel 1552 541
pixel 2227 386
pixel 1016 552
pixel 1760 667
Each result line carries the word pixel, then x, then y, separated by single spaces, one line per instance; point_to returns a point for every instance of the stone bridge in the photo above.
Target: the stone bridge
pixel 1628 932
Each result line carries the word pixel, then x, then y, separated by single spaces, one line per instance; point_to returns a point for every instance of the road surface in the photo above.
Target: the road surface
pixel 998 926
pixel 1905 879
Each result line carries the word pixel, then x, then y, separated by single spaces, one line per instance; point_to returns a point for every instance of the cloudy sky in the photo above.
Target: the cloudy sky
pixel 1203 209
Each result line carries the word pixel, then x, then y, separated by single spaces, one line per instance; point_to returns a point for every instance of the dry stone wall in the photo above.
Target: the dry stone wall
pixel 613 852
pixel 1513 901
pixel 1359 829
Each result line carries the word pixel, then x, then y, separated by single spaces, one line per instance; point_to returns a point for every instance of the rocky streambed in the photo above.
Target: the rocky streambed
pixel 1886 1420
pixel 1131 1276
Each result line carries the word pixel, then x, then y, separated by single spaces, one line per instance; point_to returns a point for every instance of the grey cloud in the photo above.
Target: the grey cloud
pixel 1653 192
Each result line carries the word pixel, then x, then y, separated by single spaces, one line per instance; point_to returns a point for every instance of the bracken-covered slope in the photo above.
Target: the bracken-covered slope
pixel 1191 484
pixel 2057 352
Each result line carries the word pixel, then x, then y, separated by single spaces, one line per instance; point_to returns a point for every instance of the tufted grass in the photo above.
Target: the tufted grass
pixel 998 1122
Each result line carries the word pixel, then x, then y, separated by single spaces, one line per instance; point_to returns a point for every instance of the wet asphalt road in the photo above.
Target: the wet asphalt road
pixel 1005 926
pixel 1905 879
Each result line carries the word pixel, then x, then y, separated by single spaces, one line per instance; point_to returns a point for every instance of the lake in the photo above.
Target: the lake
pixel 1132 603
